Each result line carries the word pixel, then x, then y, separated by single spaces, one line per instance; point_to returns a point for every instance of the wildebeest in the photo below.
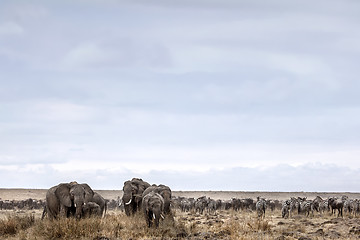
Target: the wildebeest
pixel 336 203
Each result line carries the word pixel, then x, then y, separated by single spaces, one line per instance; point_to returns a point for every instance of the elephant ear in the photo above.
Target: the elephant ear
pixel 62 192
pixel 89 193
pixel 161 199
pixel 126 184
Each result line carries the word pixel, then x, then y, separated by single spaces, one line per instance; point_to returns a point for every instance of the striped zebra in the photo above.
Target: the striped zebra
pixel 356 206
pixel 211 206
pixel 294 205
pixel 305 206
pixel 260 207
pixel 320 205
pixel 200 204
pixel 348 205
pixel 285 209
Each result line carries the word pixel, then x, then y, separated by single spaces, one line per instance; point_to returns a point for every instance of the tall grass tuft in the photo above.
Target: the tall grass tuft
pixel 12 224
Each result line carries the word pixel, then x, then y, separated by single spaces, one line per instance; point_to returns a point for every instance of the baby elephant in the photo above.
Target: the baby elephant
pixel 91 209
pixel 153 206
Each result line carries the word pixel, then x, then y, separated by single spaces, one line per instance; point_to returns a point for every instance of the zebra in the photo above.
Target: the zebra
pixel 316 203
pixel 305 206
pixel 260 207
pixel 320 204
pixel 211 206
pixel 348 205
pixel 294 205
pixel 285 209
pixel 185 205
pixel 200 204
pixel 356 206
pixel 324 206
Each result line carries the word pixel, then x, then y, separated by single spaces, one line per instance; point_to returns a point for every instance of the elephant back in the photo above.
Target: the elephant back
pixel 150 189
pixel 150 198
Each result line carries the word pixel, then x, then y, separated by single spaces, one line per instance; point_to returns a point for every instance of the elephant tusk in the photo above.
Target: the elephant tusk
pixel 128 202
pixel 154 216
pixel 162 216
pixel 75 204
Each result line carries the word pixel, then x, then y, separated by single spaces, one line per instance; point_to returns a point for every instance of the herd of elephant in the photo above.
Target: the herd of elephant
pixel 154 200
pixel 73 199
pixel 79 200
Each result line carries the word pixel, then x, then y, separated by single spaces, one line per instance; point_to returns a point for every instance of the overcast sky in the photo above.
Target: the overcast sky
pixel 198 95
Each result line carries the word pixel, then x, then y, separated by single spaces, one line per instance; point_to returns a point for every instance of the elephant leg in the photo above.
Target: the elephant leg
pixel 63 211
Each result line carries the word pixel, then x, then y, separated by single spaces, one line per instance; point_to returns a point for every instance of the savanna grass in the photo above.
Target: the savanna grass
pixel 113 226
pixel 13 224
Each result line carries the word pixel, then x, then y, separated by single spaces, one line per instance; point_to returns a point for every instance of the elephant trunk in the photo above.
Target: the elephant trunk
pixel 127 200
pixel 156 216
pixel 78 204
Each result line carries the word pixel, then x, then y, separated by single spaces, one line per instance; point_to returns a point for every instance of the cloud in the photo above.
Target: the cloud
pixel 307 177
pixel 124 54
pixel 212 85
pixel 10 28
pixel 87 55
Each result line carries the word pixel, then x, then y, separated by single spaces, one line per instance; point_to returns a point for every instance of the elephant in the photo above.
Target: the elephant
pixel 164 191
pixel 153 207
pixel 67 199
pixel 99 200
pixel 132 195
pixel 91 209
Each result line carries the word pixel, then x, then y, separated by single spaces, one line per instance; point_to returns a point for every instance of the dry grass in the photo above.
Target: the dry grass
pixel 223 225
pixel 14 224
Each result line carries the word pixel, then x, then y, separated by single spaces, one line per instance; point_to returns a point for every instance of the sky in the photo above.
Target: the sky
pixel 198 95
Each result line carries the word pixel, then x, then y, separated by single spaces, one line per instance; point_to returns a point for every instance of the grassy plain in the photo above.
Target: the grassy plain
pixel 224 224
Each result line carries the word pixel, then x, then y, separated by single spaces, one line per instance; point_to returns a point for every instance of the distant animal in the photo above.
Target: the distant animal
pixel 320 205
pixel 200 204
pixel 260 207
pixel 294 205
pixel 336 203
pixel 356 207
pixel 285 209
pixel 186 204
pixel 305 206
pixel 236 204
pixel 211 206
pixel 153 207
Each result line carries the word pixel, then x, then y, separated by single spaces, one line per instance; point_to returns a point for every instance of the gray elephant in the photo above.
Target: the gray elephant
pixel 153 207
pixel 99 200
pixel 132 195
pixel 91 209
pixel 67 199
pixel 164 191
